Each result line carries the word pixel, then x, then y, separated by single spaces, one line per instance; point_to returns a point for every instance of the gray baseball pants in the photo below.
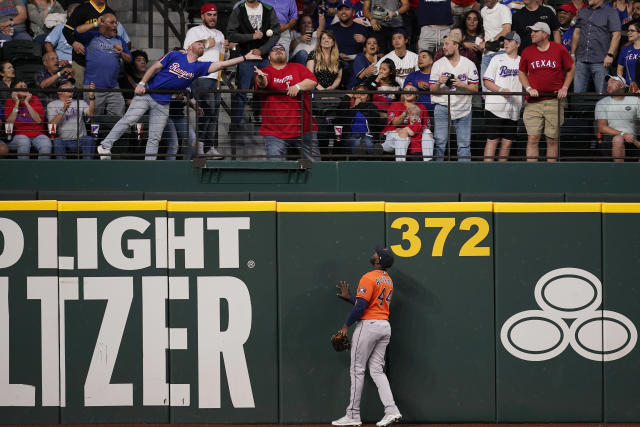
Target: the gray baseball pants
pixel 369 344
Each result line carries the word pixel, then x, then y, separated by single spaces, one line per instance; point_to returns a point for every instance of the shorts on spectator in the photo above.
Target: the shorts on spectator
pixel 497 127
pixel 542 117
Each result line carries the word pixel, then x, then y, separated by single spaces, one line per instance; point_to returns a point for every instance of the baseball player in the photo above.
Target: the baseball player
pixel 370 337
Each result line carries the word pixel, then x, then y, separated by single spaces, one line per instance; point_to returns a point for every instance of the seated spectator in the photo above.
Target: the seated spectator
pixel 470 54
pixel 38 10
pixel 629 55
pixel 52 72
pixel 503 112
pixel 55 40
pixel 406 61
pixel 134 71
pixel 361 121
pixel 420 78
pixel 616 117
pixel 565 19
pixel 305 39
pixel 13 17
pixel 104 49
pixel 325 64
pixel 404 133
pixel 7 77
pixel 66 113
pixel 384 81
pixel 473 34
pixel 26 113
pixel 364 66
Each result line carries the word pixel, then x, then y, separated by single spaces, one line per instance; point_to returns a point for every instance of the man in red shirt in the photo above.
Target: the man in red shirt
pixel 281 116
pixel 545 67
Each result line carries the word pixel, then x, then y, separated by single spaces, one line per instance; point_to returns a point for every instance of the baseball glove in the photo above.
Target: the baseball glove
pixel 340 341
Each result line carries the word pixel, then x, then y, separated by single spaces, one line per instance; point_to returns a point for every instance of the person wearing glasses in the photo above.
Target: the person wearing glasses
pixel 281 112
pixel 629 56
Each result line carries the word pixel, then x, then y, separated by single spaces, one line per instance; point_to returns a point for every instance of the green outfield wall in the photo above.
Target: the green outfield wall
pixel 221 311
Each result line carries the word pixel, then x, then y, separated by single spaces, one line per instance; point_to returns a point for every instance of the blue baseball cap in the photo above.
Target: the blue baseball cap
pixel 279 45
pixel 345 3
pixel 386 256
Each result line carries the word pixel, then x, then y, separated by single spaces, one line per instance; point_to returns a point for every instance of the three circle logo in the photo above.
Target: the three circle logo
pixel 568 294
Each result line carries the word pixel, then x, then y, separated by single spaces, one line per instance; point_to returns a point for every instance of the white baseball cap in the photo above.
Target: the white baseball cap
pixel 616 78
pixel 540 26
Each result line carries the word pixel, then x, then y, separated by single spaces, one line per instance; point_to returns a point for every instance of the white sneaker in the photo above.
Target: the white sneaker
pixel 346 421
pixel 105 153
pixel 389 419
pixel 215 154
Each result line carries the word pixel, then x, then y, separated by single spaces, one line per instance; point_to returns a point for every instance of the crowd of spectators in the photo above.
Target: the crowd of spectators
pixel 526 55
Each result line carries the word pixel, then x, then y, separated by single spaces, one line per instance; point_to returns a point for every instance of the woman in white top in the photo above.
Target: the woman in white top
pixel 306 39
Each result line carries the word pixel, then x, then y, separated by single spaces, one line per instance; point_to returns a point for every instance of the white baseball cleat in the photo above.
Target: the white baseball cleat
pixel 346 421
pixel 389 419
pixel 105 153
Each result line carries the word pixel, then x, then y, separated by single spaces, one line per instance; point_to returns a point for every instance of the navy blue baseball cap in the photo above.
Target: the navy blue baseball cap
pixel 386 256
pixel 345 3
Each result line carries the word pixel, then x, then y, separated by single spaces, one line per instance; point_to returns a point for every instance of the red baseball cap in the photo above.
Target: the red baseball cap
pixel 208 7
pixel 569 8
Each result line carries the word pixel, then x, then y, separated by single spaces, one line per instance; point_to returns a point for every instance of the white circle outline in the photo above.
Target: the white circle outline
pixel 564 272
pixel 598 356
pixel 537 357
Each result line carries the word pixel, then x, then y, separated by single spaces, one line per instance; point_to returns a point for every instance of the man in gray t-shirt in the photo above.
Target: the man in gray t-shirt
pixel 385 16
pixel 67 116
pixel 616 117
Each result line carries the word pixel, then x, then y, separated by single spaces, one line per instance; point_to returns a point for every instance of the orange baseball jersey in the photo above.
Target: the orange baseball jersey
pixel 376 287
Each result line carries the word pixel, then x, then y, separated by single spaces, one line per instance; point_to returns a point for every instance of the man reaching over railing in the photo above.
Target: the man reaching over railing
pixel 174 71
pixel 282 126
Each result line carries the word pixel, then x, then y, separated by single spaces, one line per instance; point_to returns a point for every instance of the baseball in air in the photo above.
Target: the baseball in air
pixel 269 32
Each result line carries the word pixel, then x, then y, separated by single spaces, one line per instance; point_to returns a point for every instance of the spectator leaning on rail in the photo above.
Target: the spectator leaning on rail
pixel 209 100
pixel 616 117
pixel 453 73
pixel 594 44
pixel 175 71
pixel 248 26
pixel 281 121
pixel 104 49
pixel 503 111
pixel 545 66
pixel 67 115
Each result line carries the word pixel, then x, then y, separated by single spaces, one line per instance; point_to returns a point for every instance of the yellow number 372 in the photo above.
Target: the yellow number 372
pixel 411 228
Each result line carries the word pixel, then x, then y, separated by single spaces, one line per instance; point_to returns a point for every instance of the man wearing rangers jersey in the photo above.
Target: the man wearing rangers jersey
pixel 370 337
